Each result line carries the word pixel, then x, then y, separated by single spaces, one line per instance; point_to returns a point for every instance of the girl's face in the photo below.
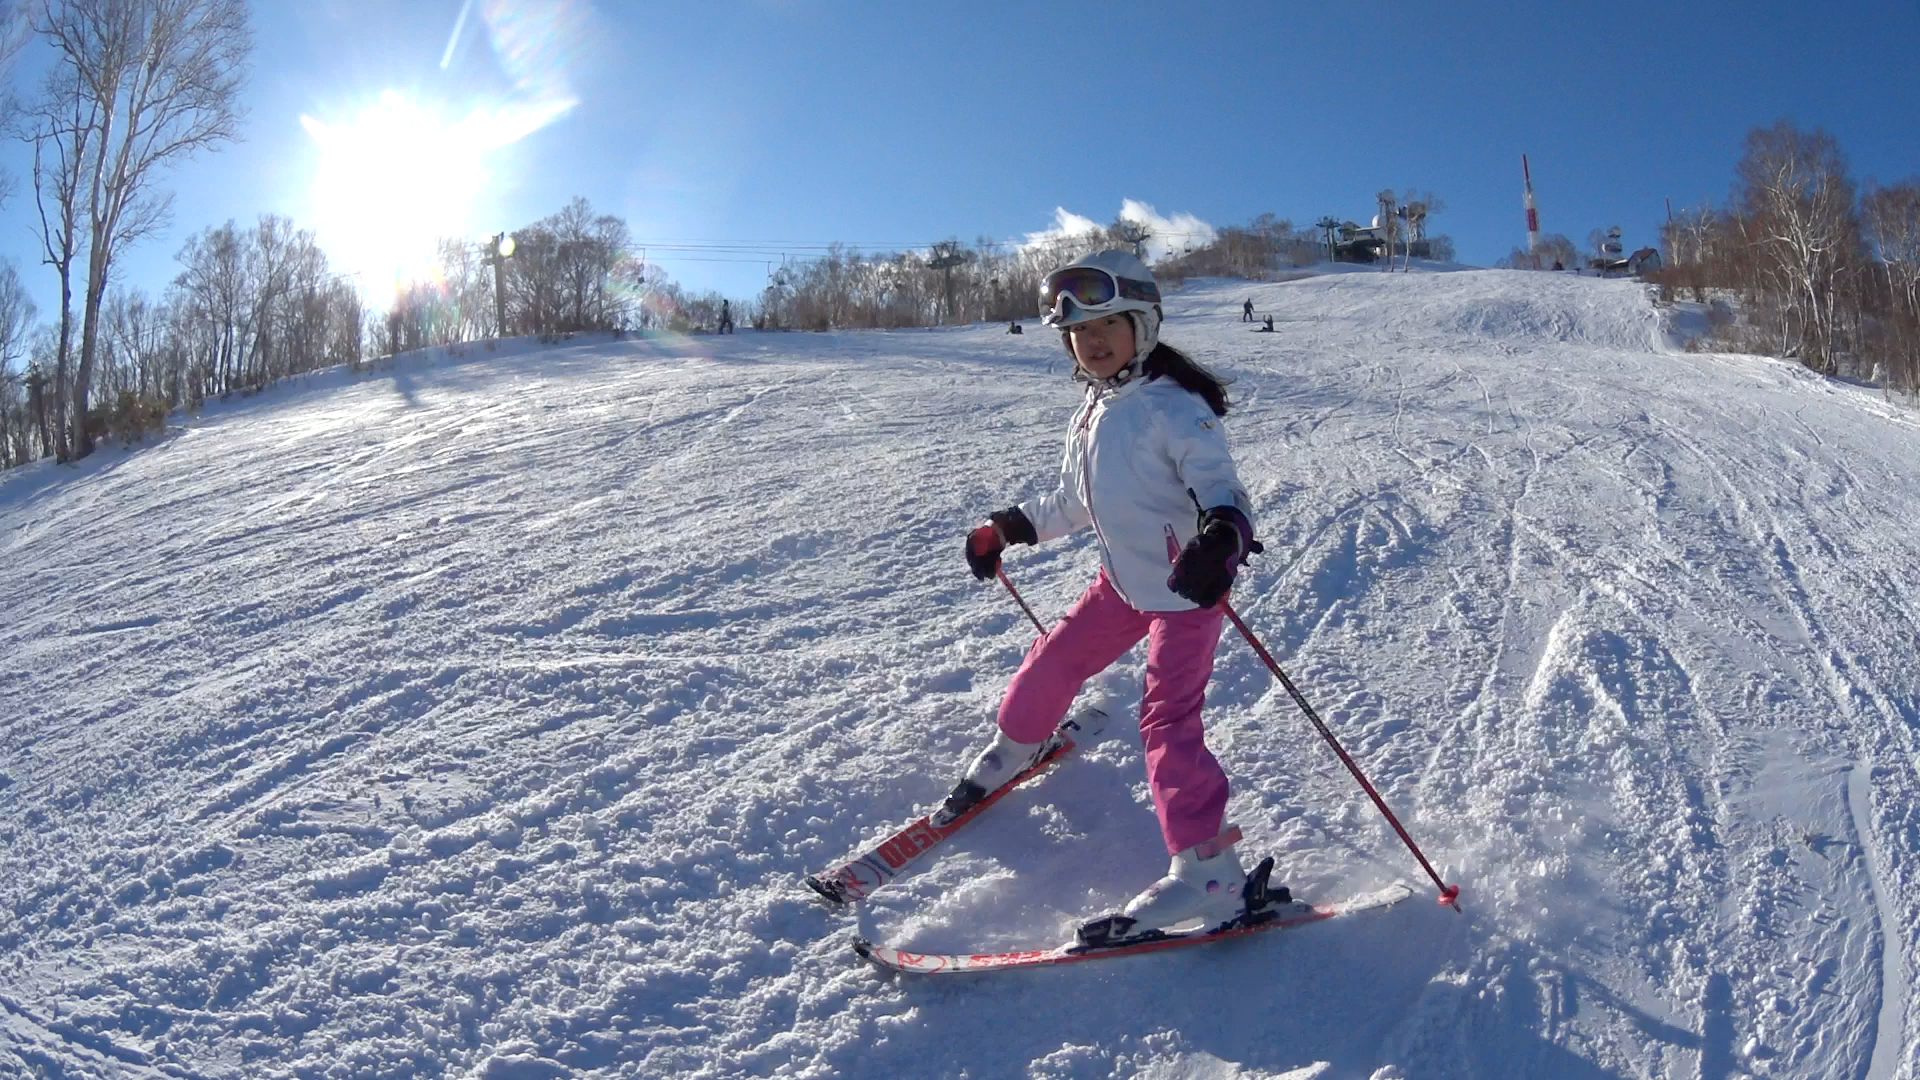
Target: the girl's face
pixel 1104 345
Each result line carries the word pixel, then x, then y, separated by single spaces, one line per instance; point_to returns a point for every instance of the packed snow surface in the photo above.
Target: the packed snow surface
pixel 478 716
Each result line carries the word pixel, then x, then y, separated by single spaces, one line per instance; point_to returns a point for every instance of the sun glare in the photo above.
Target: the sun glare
pixel 400 175
pixel 392 182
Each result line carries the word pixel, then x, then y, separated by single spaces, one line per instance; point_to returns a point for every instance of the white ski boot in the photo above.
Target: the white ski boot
pixel 1204 882
pixel 1204 886
pixel 1001 761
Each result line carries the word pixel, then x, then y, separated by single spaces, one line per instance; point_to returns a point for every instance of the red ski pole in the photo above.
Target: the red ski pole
pixel 1008 582
pixel 1449 894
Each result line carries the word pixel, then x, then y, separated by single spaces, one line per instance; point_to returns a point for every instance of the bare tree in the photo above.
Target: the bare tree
pixel 274 254
pixel 213 289
pixel 1798 214
pixel 1892 218
pixel 1419 206
pixel 12 36
pixel 1389 219
pixel 1554 251
pixel 63 127
pixel 590 249
pixel 1423 205
pixel 1694 239
pixel 16 327
pixel 136 337
pixel 466 269
pixel 147 84
pixel 533 281
pixel 1253 251
pixel 17 314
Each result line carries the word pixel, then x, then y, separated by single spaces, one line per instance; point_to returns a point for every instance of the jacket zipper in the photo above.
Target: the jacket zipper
pixel 1086 485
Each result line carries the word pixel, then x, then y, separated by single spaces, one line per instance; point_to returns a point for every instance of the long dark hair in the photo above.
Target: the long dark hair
pixel 1165 360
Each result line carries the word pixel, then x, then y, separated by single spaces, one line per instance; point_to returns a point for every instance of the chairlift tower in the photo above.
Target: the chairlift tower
pixel 1132 232
pixel 946 256
pixel 776 282
pixel 1328 225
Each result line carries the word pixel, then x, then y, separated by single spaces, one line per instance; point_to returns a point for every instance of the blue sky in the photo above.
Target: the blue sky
pixel 776 124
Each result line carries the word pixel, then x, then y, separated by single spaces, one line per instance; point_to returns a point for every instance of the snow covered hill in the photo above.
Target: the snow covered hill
pixel 478 717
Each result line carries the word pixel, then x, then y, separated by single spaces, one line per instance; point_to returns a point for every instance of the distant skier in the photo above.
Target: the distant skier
pixel 1147 465
pixel 726 317
pixel 1246 311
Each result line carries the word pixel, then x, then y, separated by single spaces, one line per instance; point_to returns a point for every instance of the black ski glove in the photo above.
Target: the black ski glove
pixel 1205 569
pixel 985 543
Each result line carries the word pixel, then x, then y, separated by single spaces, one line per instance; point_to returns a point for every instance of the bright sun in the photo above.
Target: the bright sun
pixel 392 183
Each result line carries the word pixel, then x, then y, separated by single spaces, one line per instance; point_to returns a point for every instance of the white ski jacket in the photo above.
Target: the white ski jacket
pixel 1138 459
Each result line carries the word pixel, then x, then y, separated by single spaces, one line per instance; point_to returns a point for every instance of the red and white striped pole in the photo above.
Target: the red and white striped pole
pixel 1533 215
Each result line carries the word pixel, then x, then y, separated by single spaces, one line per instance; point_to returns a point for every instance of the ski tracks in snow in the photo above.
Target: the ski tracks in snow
pixel 483 722
pixel 1624 689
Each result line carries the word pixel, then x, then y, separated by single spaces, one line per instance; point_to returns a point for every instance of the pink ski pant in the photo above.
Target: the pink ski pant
pixel 1189 787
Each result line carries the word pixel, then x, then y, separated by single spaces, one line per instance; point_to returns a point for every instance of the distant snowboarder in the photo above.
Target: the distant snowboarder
pixel 1144 453
pixel 1246 311
pixel 1013 327
pixel 726 317
pixel 1266 327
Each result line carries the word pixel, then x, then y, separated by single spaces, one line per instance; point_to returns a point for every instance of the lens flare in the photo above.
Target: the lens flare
pixel 537 43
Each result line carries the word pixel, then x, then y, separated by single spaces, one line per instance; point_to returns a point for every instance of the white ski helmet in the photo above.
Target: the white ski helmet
pixel 1102 284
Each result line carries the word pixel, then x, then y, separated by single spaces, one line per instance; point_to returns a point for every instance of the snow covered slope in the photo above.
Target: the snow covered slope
pixel 477 718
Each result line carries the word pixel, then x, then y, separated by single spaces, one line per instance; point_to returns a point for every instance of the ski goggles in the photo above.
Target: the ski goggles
pixel 1092 288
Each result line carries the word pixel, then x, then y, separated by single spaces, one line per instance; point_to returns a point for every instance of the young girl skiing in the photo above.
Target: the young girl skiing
pixel 1147 467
